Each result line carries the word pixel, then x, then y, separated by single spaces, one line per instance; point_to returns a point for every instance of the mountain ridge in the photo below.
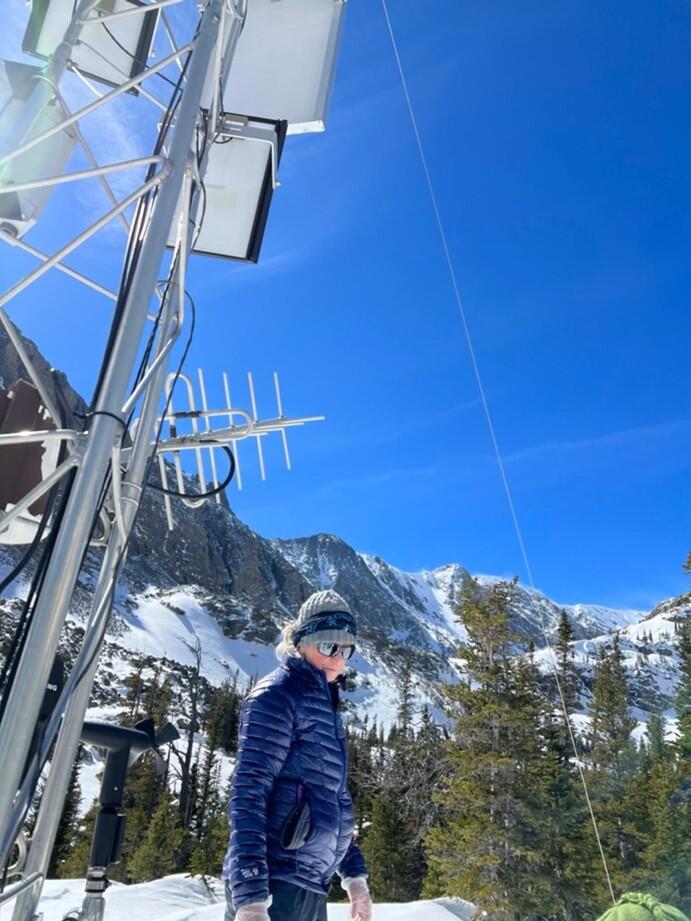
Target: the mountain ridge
pixel 216 567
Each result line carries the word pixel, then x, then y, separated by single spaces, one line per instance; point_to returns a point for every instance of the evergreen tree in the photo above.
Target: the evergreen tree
pixel 222 715
pixel 404 719
pixel 144 788
pixel 207 804
pixel 210 829
pixel 480 849
pixel 144 785
pixel 361 775
pixel 569 843
pixel 187 776
pixel 427 770
pixel 666 854
pixel 75 864
pixel 392 785
pixel 530 788
pixel 158 694
pixel 683 691
pixel 384 850
pixel 134 686
pixel 612 724
pixel 614 762
pixel 568 839
pixel 156 854
pixel 68 828
pixel 207 856
pixel 566 671
pixel 669 852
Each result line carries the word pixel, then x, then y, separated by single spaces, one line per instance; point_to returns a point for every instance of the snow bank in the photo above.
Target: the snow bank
pixel 181 898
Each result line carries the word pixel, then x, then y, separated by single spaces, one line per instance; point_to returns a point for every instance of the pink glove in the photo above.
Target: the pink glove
pixel 255 911
pixel 360 899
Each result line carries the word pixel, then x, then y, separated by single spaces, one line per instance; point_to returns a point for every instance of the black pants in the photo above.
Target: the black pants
pixel 290 903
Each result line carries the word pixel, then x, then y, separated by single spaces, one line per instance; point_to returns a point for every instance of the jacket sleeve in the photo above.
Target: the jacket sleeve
pixel 353 864
pixel 266 733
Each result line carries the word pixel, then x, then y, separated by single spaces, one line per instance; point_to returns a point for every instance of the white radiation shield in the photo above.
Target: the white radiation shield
pixel 238 185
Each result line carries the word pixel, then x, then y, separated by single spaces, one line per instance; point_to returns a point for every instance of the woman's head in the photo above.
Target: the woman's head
pixel 323 634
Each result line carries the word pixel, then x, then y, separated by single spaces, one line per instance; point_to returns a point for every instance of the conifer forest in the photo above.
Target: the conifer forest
pixel 487 804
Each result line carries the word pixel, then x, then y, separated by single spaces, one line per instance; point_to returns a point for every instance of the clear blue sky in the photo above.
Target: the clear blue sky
pixel 559 141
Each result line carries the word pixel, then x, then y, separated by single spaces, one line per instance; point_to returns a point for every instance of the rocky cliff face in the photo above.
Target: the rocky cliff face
pixel 57 385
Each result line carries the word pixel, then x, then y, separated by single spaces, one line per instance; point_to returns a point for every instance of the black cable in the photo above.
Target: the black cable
pixel 103 412
pixel 9 665
pixel 12 575
pixel 19 636
pixel 138 61
pixel 198 221
pixel 201 495
pixel 66 412
pixel 14 654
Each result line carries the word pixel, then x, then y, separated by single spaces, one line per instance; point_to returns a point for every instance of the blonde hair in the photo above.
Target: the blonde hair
pixel 287 647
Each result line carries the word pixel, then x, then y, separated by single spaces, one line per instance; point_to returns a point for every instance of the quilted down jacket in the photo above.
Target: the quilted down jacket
pixel 292 749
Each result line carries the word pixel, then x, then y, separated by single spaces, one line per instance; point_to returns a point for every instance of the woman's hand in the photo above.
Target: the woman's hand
pixel 360 899
pixel 255 911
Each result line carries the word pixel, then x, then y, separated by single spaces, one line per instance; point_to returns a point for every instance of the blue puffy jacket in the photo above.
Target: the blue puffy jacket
pixel 292 748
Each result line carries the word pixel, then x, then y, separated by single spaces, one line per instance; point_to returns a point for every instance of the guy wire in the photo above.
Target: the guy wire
pixel 491 428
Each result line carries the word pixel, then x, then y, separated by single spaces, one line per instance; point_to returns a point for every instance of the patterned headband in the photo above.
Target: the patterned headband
pixel 330 620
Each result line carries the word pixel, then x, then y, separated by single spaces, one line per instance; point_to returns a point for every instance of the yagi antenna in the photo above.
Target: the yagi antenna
pixel 253 400
pixel 207 437
pixel 233 446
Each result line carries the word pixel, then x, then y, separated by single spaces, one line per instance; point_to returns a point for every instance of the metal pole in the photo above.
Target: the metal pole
pixel 93 173
pixel 68 740
pixel 89 282
pixel 27 691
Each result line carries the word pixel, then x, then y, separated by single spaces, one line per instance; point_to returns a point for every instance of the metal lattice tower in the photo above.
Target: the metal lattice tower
pixel 228 58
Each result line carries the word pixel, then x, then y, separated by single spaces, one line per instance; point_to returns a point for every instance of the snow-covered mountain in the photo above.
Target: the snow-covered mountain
pixel 216 581
pixel 402 616
pixel 649 653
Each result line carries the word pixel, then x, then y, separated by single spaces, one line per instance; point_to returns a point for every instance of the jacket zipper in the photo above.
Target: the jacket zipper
pixel 344 756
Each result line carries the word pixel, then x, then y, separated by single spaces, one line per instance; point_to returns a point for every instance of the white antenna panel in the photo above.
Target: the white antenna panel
pixel 285 60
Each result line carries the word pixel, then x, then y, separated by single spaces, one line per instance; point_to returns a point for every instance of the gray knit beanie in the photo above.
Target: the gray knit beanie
pixel 325 617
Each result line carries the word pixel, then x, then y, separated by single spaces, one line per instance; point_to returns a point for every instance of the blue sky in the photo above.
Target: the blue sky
pixel 558 139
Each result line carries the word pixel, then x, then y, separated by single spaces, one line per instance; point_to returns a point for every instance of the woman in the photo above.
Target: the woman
pixel 291 814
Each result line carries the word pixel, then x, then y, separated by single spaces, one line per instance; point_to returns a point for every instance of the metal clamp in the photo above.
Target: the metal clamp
pixel 246 128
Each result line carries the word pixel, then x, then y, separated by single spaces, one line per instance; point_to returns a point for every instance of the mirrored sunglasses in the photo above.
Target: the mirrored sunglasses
pixel 333 649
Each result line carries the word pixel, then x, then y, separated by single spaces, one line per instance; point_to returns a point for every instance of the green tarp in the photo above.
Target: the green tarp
pixel 636 906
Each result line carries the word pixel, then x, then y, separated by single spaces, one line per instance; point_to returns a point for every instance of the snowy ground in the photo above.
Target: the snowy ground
pixel 179 898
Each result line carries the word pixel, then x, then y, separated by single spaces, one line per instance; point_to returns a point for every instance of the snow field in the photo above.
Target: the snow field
pixel 183 898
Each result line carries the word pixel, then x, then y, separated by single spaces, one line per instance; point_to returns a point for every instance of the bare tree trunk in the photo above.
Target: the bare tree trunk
pixel 185 805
